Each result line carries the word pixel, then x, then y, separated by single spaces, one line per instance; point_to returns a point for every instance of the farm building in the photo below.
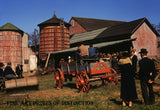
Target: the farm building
pixel 141 30
pixel 54 36
pixel 14 46
pixel 114 36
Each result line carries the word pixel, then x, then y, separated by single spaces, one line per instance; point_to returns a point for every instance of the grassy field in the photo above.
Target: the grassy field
pixel 49 98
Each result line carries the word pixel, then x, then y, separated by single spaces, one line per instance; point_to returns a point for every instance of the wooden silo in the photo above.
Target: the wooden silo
pixel 11 44
pixel 54 36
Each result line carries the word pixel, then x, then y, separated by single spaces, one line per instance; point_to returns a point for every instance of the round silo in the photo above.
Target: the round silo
pixel 11 44
pixel 54 36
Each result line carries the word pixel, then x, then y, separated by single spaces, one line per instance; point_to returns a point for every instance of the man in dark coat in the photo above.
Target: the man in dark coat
pixel 19 71
pixel 1 70
pixel 146 74
pixel 9 73
pixel 134 61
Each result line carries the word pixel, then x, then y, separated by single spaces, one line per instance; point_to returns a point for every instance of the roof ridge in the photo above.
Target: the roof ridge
pixel 97 19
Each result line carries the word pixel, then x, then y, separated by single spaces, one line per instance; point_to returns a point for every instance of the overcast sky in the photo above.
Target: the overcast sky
pixel 27 14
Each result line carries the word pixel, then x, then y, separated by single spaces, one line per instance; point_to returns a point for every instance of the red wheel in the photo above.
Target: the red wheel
pixel 104 82
pixel 58 78
pixel 82 83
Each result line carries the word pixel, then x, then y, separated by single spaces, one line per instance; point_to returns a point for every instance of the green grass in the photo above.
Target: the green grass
pixel 99 97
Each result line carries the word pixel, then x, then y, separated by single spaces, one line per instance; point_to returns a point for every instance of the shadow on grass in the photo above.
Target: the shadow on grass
pixel 157 93
pixel 73 86
pixel 70 85
pixel 22 89
pixel 139 102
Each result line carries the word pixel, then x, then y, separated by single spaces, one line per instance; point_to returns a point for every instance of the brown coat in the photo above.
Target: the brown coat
pixel 83 50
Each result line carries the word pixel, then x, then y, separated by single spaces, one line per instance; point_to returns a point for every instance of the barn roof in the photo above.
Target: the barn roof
pixel 116 32
pixel 92 24
pixel 53 21
pixel 99 45
pixel 10 27
pixel 127 28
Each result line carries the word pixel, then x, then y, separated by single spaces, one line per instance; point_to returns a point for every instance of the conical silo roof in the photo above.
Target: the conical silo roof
pixel 10 27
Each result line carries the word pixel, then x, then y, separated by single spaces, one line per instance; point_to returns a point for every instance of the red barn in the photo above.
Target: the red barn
pixel 141 30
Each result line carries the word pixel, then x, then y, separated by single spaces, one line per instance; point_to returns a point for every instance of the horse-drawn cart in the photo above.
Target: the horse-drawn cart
pixel 90 71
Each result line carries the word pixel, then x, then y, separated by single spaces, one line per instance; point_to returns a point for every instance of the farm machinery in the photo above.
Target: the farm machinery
pixel 85 73
pixel 8 84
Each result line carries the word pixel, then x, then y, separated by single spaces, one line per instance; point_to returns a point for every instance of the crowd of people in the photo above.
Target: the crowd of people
pixel 8 72
pixel 126 63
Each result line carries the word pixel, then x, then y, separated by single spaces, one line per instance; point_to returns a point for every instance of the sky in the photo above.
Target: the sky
pixel 27 14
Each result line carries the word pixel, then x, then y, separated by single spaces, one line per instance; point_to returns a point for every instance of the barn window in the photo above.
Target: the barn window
pixel 72 23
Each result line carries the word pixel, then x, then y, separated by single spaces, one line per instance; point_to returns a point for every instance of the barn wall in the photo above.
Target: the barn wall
pixel 145 39
pixel 77 28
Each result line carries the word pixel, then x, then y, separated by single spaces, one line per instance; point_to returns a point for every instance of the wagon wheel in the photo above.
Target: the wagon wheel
pixel 104 82
pixel 58 78
pixel 82 83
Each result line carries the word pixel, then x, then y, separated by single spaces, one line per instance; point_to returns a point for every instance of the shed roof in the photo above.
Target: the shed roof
pixel 9 26
pixel 86 35
pixel 92 24
pixel 53 21
pixel 99 45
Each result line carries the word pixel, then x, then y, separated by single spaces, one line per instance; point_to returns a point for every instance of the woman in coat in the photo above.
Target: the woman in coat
pixel 128 89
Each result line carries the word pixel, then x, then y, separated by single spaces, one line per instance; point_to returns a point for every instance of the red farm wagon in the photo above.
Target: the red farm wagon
pixel 85 73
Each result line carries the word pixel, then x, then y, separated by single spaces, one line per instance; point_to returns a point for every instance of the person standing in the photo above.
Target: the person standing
pixel 1 69
pixel 114 62
pixel 146 75
pixel 134 61
pixel 19 71
pixel 128 89
pixel 9 73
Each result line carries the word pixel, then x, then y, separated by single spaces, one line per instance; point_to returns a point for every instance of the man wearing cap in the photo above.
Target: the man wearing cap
pixel 146 74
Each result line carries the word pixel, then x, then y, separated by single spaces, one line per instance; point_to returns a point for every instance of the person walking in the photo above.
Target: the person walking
pixel 128 89
pixel 147 73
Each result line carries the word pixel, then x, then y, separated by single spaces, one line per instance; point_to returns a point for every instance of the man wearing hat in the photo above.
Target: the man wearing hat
pixel 146 74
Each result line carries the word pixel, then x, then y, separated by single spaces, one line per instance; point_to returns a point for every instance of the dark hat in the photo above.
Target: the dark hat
pixel 9 63
pixel 1 64
pixel 143 51
pixel 125 54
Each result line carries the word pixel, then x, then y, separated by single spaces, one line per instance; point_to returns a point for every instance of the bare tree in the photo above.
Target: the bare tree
pixel 34 40
pixel 157 27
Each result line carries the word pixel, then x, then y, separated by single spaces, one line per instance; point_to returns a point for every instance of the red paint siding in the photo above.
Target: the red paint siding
pixel 11 48
pixel 145 39
pixel 77 28
pixel 53 38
